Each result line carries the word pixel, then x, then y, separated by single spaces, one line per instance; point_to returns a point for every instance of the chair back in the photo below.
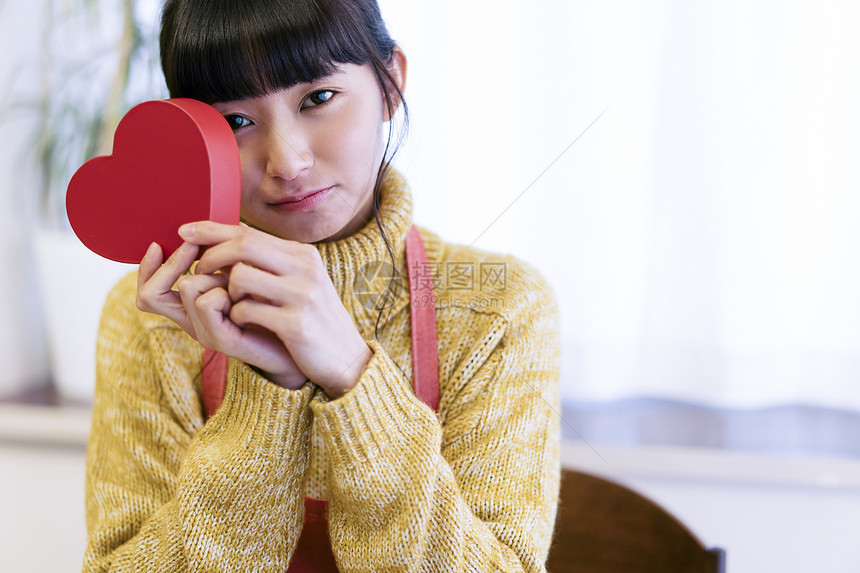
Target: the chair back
pixel 605 527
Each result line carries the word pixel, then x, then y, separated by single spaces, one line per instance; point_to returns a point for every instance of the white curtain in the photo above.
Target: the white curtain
pixel 702 234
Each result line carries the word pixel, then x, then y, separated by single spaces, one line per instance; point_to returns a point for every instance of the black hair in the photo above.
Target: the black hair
pixel 226 50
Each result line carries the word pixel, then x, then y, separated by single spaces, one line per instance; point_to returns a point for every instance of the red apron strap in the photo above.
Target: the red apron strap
pixel 214 379
pixel 313 552
pixel 425 349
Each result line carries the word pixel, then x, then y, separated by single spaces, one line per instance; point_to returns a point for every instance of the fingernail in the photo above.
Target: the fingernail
pixel 186 230
pixel 150 251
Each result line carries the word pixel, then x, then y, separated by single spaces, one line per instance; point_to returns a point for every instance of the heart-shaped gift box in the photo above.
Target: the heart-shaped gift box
pixel 174 161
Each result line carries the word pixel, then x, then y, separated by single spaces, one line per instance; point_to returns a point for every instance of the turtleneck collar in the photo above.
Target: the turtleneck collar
pixel 360 265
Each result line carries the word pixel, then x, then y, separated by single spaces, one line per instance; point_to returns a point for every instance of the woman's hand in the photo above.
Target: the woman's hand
pixel 155 283
pixel 200 305
pixel 275 293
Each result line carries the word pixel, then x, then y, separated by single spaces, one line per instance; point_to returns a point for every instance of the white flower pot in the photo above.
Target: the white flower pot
pixel 74 284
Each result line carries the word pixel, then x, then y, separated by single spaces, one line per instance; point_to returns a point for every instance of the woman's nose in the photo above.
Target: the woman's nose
pixel 287 157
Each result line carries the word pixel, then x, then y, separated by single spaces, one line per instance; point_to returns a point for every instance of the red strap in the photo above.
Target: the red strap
pixel 425 349
pixel 313 550
pixel 214 379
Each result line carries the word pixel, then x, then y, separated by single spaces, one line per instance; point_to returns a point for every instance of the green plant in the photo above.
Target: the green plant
pixel 85 92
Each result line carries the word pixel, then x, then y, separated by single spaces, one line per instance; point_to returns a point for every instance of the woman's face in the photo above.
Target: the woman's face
pixel 310 155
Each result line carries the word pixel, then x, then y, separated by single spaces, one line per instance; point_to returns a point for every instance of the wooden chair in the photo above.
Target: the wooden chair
pixel 604 527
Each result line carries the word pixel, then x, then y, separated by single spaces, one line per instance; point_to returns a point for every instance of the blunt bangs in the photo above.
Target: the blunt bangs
pixel 226 50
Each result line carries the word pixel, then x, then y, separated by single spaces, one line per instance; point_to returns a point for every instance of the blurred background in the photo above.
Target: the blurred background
pixel 684 174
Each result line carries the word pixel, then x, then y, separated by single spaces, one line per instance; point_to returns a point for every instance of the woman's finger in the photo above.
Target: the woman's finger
pixel 250 311
pixel 250 282
pixel 209 313
pixel 250 246
pixel 208 232
pixel 190 289
pixel 155 292
pixel 336 369
pixel 159 278
pixel 247 342
pixel 150 263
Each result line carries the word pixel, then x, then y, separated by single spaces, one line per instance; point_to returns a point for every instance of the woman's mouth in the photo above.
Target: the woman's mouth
pixel 303 201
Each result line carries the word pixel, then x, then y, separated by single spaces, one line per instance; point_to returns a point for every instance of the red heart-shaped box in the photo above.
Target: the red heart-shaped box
pixel 174 161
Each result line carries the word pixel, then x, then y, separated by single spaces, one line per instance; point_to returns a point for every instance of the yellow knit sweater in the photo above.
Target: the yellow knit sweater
pixel 471 488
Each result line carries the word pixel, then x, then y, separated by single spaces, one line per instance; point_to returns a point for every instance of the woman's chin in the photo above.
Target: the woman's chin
pixel 312 227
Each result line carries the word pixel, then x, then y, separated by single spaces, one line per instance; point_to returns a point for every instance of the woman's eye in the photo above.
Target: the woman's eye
pixel 318 97
pixel 237 121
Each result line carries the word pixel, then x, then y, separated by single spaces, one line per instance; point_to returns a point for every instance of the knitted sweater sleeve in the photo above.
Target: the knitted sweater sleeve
pixel 164 492
pixel 473 489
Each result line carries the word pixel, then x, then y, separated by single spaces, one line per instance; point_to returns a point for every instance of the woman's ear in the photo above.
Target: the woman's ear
pixel 397 69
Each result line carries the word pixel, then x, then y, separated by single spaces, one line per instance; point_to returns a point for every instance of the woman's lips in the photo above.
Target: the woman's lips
pixel 303 202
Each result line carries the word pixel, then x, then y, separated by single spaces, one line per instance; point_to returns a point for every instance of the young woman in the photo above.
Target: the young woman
pixel 319 399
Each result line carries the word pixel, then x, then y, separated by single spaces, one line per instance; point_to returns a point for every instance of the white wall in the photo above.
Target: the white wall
pixel 22 347
pixel 767 528
pixel 42 527
pixel 700 236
